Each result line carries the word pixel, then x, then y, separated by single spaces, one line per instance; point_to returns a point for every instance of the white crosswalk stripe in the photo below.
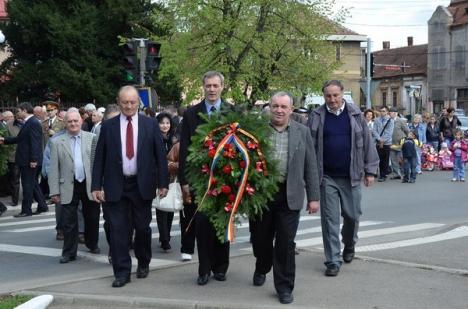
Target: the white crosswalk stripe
pixel 308 235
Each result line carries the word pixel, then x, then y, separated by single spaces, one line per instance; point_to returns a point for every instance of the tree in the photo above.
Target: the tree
pixel 260 45
pixel 70 48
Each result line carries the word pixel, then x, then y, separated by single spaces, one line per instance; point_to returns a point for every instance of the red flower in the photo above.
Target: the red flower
pixel 242 164
pixel 227 169
pixel 214 181
pixel 205 169
pixel 231 198
pixel 227 146
pixel 213 192
pixel 258 167
pixel 226 189
pixel 209 143
pixel 212 153
pixel 251 145
pixel 228 207
pixel 230 153
pixel 250 190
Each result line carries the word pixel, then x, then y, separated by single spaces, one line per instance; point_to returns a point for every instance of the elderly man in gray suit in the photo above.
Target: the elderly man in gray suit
pixel 294 151
pixel 70 183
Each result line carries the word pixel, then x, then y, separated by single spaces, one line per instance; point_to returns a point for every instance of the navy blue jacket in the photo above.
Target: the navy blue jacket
pixel 29 143
pixel 151 160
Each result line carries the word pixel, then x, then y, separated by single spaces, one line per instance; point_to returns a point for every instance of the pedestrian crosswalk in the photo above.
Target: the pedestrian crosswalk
pixel 373 235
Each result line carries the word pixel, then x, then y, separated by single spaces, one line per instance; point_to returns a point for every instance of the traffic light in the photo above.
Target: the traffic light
pixel 152 56
pixel 130 61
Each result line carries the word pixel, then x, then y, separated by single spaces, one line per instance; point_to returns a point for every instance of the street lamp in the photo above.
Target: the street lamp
pixel 2 37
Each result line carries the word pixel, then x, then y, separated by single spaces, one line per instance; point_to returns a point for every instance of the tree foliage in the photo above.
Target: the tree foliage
pixel 259 45
pixel 70 48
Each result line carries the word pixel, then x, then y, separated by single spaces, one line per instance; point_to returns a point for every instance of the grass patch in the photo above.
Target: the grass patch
pixel 11 301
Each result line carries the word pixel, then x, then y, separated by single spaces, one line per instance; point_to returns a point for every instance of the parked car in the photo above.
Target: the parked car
pixel 460 112
pixel 464 123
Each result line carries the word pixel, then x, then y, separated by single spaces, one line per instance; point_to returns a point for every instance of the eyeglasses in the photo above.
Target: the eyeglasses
pixel 50 110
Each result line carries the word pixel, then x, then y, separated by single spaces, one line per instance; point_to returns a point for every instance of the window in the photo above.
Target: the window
pixel 338 52
pixel 384 98
pixel 394 98
pixel 459 57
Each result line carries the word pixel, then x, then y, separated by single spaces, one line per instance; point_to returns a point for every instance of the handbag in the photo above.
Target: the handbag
pixel 172 202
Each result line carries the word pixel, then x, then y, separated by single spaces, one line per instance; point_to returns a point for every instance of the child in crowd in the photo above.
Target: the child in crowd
pixel 459 156
pixel 410 156
pixel 444 157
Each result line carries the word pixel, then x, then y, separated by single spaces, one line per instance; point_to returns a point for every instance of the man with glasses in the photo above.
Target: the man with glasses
pixel 382 133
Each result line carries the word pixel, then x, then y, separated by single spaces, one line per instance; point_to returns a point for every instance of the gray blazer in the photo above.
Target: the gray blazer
pixel 302 167
pixel 61 171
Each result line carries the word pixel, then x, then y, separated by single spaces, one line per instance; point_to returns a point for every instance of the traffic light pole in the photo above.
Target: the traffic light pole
pixel 142 60
pixel 368 75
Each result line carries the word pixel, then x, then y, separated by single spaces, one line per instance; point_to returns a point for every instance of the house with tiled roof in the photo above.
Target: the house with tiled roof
pixel 400 77
pixel 447 60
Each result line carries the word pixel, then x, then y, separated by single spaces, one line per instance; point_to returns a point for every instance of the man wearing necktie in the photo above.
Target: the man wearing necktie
pixel 213 255
pixel 70 183
pixel 129 165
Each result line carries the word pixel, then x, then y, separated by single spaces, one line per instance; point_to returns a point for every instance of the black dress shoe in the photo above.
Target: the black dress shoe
pixel 95 250
pixel 348 254
pixel 39 211
pixel 258 279
pixel 203 279
pixel 285 298
pixel 22 215
pixel 381 179
pixel 120 282
pixel 66 259
pixel 219 276
pixel 332 271
pixel 2 211
pixel 142 272
pixel 166 246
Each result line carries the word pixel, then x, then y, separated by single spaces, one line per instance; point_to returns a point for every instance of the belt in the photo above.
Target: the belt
pixel 130 177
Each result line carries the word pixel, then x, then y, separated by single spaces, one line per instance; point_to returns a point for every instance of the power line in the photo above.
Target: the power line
pixel 389 26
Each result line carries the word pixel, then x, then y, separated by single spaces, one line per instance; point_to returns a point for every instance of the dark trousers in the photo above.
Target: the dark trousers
pixel 213 255
pixel 187 237
pixel 13 176
pixel 409 168
pixel 384 156
pixel 130 211
pixel 31 190
pixel 280 224
pixel 44 185
pixel 91 212
pixel 164 221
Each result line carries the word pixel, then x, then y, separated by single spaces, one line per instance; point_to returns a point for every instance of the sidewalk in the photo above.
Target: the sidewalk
pixel 365 283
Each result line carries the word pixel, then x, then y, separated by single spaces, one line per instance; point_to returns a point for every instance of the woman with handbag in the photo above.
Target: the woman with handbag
pixel 164 218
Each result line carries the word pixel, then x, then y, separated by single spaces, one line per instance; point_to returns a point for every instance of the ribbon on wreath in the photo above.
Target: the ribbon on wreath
pixel 232 138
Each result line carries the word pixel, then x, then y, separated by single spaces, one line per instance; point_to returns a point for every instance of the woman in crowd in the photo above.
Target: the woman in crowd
pixel 420 128
pixel 164 218
pixel 369 116
pixel 432 133
pixel 447 126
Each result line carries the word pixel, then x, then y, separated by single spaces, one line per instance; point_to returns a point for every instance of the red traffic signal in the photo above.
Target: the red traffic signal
pixel 152 56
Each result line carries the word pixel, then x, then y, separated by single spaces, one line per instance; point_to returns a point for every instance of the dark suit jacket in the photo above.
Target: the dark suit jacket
pixel 190 122
pixel 151 160
pixel 29 143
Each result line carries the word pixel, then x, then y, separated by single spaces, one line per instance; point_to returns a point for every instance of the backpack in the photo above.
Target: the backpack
pixel 408 149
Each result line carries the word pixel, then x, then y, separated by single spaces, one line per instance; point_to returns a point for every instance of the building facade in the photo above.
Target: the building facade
pixel 447 61
pixel 400 78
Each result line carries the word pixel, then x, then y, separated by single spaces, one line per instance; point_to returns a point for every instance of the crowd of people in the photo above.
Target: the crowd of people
pixel 118 159
pixel 406 148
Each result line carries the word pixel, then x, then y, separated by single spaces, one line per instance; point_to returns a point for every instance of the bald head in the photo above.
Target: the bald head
pixel 128 100
pixel 8 116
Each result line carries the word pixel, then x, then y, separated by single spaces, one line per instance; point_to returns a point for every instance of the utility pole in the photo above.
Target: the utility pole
pixel 142 51
pixel 368 75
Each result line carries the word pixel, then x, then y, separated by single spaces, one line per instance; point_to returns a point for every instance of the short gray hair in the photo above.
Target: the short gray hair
pixel 71 110
pixel 211 74
pixel 111 109
pixel 332 82
pixel 280 94
pixel 125 89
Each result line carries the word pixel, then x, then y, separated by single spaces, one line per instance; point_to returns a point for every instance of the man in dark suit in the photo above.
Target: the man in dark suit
pixel 213 255
pixel 28 158
pixel 294 151
pixel 129 164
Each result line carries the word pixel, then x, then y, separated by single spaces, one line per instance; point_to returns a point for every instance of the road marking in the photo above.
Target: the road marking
pixel 458 232
pixel 53 252
pixel 372 233
pixel 24 222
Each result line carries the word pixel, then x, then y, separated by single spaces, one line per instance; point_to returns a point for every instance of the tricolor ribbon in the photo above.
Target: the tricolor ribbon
pixel 232 138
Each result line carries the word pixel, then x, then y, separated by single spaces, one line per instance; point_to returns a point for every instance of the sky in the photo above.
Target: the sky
pixel 390 20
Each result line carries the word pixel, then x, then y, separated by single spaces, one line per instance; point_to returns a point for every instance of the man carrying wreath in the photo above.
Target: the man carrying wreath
pixel 294 151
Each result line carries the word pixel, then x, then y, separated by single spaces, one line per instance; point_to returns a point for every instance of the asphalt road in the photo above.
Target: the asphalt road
pixel 423 224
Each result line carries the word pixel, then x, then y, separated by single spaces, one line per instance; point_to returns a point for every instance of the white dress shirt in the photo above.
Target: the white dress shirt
pixel 129 166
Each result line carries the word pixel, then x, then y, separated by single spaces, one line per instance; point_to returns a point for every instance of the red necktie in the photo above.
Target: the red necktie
pixel 129 144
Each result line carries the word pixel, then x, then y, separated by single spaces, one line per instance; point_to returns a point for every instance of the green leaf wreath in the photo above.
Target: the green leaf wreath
pixel 4 153
pixel 239 171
